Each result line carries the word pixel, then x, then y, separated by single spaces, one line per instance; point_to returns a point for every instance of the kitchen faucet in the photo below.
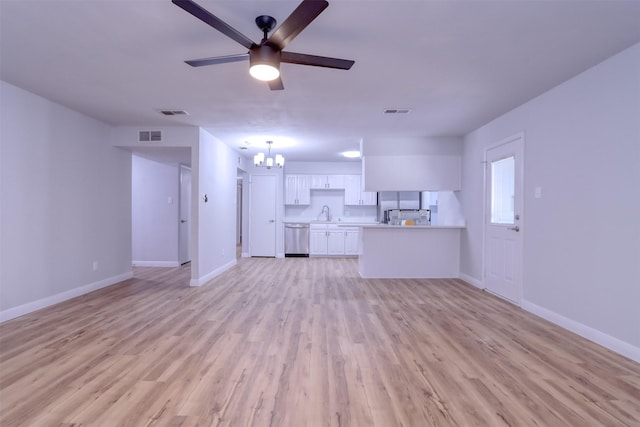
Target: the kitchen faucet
pixel 325 210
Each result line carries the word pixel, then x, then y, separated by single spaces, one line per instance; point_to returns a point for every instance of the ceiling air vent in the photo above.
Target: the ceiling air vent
pixel 150 136
pixel 397 111
pixel 174 112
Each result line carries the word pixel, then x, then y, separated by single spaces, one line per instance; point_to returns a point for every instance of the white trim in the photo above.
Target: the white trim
pixel 207 277
pixel 32 306
pixel 155 263
pixel 245 255
pixel 612 343
pixel 471 280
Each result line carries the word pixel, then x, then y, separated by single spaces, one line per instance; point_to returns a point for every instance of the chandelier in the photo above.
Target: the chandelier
pixel 268 161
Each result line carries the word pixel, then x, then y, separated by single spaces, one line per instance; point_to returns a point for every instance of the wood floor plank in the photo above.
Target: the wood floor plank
pixel 304 342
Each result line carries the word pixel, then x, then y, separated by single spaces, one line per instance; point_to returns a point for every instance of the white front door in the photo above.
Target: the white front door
pixel 184 228
pixel 262 223
pixel 503 218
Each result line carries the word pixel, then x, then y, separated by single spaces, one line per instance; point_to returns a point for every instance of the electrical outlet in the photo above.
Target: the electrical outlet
pixel 95 265
pixel 537 192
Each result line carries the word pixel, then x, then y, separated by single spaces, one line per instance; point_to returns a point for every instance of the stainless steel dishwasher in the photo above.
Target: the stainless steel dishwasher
pixel 296 239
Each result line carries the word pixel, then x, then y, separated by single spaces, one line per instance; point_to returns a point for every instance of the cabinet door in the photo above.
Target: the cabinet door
pixel 318 242
pixel 291 190
pixel 352 242
pixel 304 189
pixel 318 182
pixel 352 190
pixel 335 181
pixel 369 198
pixel 335 242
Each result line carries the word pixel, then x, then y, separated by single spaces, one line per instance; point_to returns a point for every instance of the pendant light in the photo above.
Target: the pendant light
pixel 261 160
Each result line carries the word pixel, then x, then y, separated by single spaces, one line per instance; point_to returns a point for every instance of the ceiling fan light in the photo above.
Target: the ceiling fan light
pixel 264 72
pixel 264 63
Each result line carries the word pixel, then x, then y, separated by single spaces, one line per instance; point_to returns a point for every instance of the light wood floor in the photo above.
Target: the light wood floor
pixel 304 342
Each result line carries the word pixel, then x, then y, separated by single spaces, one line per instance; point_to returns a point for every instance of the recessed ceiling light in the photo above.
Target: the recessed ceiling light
pixel 351 154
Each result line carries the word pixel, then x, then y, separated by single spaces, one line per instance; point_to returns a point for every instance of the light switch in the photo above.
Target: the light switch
pixel 170 200
pixel 538 192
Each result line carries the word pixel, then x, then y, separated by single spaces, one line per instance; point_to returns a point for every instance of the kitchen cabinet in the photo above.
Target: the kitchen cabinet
pixel 354 194
pixel 297 190
pixel 327 182
pixel 318 241
pixel 333 240
pixel 351 241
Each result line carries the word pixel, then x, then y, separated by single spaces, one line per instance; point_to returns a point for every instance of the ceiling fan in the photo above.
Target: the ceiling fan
pixel 265 57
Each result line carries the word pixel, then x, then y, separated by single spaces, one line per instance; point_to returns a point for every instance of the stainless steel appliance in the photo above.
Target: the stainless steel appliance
pixel 391 200
pixel 417 216
pixel 296 239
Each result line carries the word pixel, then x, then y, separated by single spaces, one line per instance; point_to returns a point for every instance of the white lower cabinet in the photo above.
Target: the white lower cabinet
pixel 317 241
pixel 326 239
pixel 352 241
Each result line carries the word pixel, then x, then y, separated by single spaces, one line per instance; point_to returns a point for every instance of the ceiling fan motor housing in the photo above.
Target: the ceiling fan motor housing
pixel 264 55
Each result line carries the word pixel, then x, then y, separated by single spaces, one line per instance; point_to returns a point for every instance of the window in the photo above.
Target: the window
pixel 502 191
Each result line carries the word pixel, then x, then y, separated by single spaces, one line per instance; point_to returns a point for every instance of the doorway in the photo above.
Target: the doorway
pixel 503 225
pixel 262 223
pixel 184 228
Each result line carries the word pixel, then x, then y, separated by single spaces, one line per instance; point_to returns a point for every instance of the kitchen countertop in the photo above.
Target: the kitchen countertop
pixel 368 224
pixel 408 227
pixel 341 222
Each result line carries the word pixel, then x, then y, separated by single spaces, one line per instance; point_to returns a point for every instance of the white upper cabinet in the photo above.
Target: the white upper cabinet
pixel 327 182
pixel 297 190
pixel 353 194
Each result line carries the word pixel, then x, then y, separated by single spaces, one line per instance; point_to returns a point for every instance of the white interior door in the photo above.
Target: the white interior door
pixel 184 228
pixel 262 223
pixel 503 218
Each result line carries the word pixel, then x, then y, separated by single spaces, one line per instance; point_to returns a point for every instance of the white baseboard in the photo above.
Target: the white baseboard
pixel 155 263
pixel 30 307
pixel 204 279
pixel 612 343
pixel 245 255
pixel 471 280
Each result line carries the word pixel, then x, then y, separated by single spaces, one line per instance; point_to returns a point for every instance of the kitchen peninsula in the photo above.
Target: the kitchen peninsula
pixel 393 251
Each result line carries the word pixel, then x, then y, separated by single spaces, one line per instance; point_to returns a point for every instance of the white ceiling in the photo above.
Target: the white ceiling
pixel 455 64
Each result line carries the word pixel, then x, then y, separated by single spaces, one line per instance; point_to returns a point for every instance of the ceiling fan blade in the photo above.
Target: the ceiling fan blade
pixel 316 61
pixel 208 18
pixel 306 12
pixel 276 84
pixel 217 60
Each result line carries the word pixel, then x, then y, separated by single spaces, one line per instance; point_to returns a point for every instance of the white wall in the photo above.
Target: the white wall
pixel 582 237
pixel 324 168
pixel 66 203
pixel 155 212
pixel 217 179
pixel 214 168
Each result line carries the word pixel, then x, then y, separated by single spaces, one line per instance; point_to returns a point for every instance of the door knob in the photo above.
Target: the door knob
pixel 182 221
pixel 516 228
pixel 272 220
